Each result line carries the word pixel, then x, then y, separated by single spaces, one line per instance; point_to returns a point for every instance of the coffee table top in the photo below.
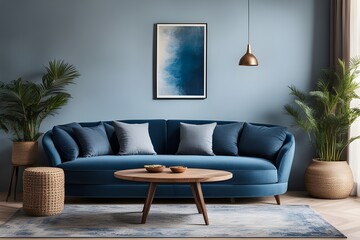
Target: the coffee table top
pixel 191 175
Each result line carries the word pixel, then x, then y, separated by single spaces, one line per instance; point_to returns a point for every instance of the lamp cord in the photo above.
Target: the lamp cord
pixel 248 21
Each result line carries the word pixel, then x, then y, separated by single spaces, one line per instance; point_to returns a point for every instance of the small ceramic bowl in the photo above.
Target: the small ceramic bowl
pixel 155 168
pixel 178 169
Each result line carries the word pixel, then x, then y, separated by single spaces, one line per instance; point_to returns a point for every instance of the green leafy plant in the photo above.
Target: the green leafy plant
pixel 325 114
pixel 24 105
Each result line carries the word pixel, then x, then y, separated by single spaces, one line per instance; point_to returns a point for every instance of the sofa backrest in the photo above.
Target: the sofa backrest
pixel 164 134
pixel 157 132
pixel 173 132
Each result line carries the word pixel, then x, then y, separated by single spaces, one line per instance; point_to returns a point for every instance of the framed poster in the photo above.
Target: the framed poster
pixel 180 69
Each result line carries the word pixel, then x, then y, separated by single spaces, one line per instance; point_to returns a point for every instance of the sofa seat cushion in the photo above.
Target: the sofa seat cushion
pixel 100 169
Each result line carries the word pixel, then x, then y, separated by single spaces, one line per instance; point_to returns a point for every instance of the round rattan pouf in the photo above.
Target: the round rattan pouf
pixel 43 191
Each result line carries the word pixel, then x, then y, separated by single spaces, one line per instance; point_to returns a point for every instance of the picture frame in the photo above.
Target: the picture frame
pixel 180 69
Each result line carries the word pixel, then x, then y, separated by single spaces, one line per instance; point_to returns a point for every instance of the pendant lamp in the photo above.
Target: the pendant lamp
pixel 248 59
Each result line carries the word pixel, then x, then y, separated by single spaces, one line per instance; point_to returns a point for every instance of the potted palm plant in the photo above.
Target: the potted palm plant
pixel 24 105
pixel 325 115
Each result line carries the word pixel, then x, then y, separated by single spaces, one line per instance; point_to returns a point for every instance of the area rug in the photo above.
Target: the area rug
pixel 171 220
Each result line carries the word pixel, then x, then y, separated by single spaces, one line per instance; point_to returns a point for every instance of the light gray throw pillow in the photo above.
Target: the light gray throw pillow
pixel 196 139
pixel 133 138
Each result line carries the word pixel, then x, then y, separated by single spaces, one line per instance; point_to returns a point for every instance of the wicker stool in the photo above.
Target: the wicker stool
pixel 43 191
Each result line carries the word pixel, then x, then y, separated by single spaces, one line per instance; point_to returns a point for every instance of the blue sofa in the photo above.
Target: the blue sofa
pixel 252 176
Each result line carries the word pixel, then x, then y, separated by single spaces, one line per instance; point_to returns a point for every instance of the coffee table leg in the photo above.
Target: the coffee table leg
pixel 201 201
pixel 196 197
pixel 149 199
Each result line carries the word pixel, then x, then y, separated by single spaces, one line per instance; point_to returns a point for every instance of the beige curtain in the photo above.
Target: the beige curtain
pixel 339 31
pixel 354 148
pixel 345 44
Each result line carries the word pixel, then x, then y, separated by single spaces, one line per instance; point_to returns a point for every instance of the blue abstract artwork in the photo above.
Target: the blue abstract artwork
pixel 181 61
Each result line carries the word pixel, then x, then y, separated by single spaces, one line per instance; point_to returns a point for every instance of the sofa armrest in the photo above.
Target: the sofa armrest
pixel 285 158
pixel 50 149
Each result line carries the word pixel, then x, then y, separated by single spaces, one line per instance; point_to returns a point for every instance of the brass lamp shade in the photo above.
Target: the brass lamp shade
pixel 248 59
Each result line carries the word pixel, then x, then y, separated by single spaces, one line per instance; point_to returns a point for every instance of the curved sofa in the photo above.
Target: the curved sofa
pixel 252 176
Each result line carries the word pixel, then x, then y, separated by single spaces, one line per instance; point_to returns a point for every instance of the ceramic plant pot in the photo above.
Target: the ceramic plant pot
pixel 24 153
pixel 331 180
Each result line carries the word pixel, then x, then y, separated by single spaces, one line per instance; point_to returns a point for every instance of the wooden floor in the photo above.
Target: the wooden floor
pixel 343 214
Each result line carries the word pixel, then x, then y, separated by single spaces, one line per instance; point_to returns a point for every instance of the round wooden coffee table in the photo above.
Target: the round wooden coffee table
pixel 193 176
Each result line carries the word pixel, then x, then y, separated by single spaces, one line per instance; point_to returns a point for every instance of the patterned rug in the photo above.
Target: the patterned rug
pixel 171 220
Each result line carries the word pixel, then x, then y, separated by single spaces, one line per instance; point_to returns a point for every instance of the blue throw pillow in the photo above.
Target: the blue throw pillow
pixel 261 141
pixel 65 144
pixel 111 134
pixel 225 139
pixel 69 128
pixel 93 141
pixel 196 139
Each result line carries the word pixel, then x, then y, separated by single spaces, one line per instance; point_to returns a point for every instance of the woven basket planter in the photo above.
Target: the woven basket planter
pixel 43 191
pixel 330 180
pixel 24 153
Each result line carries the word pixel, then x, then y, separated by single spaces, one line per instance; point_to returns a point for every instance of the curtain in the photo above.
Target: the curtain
pixel 354 148
pixel 339 30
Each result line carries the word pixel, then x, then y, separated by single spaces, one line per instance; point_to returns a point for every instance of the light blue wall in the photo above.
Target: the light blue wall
pixel 111 44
